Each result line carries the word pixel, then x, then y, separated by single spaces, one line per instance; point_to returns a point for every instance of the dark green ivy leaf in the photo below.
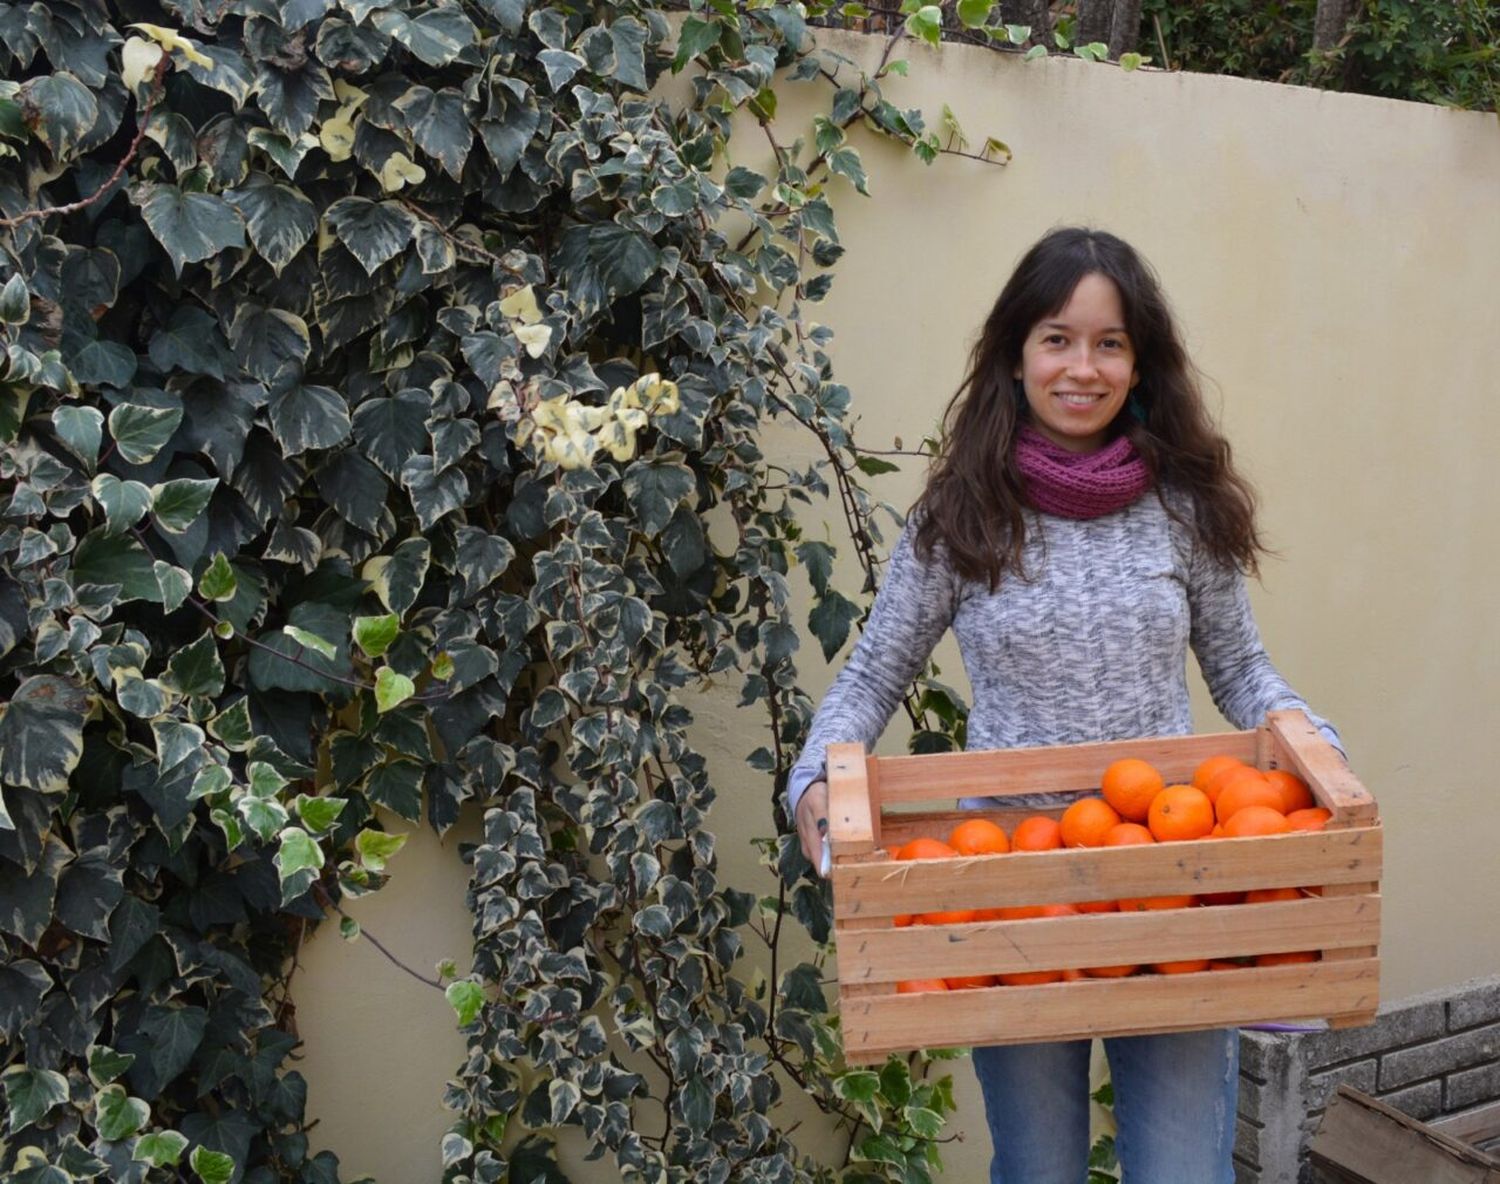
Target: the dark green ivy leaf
pixel 439 124
pixel 267 341
pixel 831 620
pixel 280 219
pixel 391 431
pixel 435 36
pixel 374 231
pixel 59 109
pixel 195 669
pixel 306 417
pixel 191 226
pixel 41 733
pixel 655 489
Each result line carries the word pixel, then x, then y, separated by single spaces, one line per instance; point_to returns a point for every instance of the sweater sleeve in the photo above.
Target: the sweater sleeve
pixel 1240 677
pixel 912 611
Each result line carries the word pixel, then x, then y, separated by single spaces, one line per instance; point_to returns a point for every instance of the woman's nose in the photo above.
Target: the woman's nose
pixel 1082 361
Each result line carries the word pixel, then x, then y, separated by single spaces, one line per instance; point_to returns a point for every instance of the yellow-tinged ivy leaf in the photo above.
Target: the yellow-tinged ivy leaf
pixel 399 171
pixel 138 60
pixel 376 846
pixel 174 42
pixel 392 689
pixel 521 306
pixel 534 338
pixel 337 135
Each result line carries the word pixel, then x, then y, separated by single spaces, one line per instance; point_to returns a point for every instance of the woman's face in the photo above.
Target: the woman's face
pixel 1078 366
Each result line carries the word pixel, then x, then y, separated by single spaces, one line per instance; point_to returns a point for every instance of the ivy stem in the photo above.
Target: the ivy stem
pixel 157 79
pixel 329 903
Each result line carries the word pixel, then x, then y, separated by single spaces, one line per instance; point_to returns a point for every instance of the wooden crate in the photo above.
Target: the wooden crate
pixel 867 821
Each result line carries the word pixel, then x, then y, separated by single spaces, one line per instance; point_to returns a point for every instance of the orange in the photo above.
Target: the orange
pixel 1261 895
pixel 1294 792
pixel 1207 771
pixel 912 986
pixel 1247 787
pixel 1129 785
pixel 1109 971
pixel 1225 964
pixel 1143 904
pixel 1097 906
pixel 1312 818
pixel 1286 959
pixel 1128 834
pixel 1255 820
pixel 1087 821
pixel 924 848
pixel 1186 966
pixel 902 920
pixel 972 982
pixel 978 836
pixel 948 917
pixel 1073 975
pixel 1221 898
pixel 1037 833
pixel 1216 783
pixel 1017 912
pixel 1217 832
pixel 1181 812
pixel 1030 978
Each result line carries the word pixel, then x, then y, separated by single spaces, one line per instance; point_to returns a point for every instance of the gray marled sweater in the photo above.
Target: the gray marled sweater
pixel 1093 647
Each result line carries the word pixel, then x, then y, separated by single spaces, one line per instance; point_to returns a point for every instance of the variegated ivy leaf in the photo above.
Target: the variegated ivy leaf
pixel 376 846
pixel 31 1093
pixel 298 859
pixel 117 1115
pixel 41 733
pixel 218 581
pixel 374 635
pixel 140 432
pixel 160 1149
pixel 177 505
pixel 311 640
pixel 392 689
pixel 212 1167
pixel 374 231
pixel 125 502
pixel 80 429
pixel 318 814
pixel 191 226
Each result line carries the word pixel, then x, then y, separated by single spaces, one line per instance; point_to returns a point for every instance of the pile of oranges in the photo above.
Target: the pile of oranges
pixel 1226 799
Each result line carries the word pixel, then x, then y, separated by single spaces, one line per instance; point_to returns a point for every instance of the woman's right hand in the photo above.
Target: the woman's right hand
pixel 812 822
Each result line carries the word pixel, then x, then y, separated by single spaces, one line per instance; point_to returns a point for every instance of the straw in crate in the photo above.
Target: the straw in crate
pixel 871 889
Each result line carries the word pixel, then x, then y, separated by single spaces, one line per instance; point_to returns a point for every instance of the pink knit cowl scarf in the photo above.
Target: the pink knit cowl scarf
pixel 1079 484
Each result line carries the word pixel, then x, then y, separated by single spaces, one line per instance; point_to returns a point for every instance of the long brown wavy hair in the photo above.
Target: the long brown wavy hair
pixel 973 504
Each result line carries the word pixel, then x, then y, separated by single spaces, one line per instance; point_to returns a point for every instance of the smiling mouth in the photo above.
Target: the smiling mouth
pixel 1077 400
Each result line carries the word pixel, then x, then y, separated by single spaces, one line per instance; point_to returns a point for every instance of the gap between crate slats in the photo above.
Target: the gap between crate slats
pixel 1106 939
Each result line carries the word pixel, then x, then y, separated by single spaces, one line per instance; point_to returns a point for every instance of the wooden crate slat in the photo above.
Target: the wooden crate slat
pixel 1302 747
pixel 853 817
pixel 1053 768
pixel 1106 939
pixel 1106 1007
pixel 886 888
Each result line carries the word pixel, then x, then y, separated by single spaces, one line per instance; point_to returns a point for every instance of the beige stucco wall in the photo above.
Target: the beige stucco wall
pixel 1332 259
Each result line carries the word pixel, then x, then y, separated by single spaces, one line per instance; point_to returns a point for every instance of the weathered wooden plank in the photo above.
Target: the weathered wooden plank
pixel 887 888
pixel 1364 1139
pixel 1104 1007
pixel 1106 939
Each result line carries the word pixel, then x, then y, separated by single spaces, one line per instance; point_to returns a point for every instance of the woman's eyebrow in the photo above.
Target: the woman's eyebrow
pixel 1120 329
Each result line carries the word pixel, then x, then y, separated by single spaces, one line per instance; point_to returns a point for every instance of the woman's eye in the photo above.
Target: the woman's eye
pixel 1053 339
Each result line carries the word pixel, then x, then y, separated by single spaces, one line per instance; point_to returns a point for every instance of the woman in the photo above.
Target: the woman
pixel 1081 528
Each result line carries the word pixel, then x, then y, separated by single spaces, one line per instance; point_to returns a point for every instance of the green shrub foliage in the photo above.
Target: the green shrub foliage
pixel 373 372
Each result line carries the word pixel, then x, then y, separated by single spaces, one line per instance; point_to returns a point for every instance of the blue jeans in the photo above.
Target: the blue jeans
pixel 1175 1102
